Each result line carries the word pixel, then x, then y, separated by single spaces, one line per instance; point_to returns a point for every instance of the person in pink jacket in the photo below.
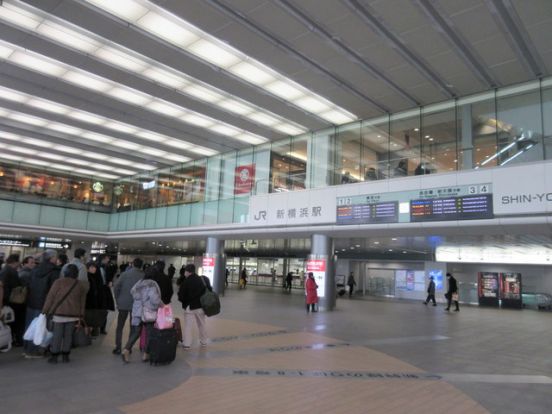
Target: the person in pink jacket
pixel 312 295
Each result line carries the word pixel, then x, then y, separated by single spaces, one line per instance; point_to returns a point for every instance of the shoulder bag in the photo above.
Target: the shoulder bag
pixel 210 302
pixel 49 321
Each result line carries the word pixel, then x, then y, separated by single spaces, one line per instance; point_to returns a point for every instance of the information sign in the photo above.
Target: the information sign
pixel 209 268
pixel 318 268
pixel 510 290
pixel 368 213
pixel 452 208
pixel 487 288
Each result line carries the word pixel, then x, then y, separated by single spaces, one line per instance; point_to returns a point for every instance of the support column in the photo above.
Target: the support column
pixel 467 138
pixel 214 263
pixel 321 263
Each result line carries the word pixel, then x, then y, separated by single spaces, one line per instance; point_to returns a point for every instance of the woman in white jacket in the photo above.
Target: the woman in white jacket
pixel 147 299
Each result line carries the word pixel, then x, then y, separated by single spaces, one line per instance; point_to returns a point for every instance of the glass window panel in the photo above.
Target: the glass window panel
pixel 166 189
pixel 280 163
pixel 480 118
pixel 228 169
pixel 262 169
pixel 348 144
pixel 439 143
pixel 198 181
pixel 126 195
pixel 212 184
pixel 298 162
pixel 375 150
pixel 519 128
pixel 183 179
pixel 147 191
pixel 547 116
pixel 404 146
pixel 320 164
pixel 7 179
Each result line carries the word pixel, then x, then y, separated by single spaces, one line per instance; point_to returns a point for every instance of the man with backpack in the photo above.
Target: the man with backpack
pixel 191 289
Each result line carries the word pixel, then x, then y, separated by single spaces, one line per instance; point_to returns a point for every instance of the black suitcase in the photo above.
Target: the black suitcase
pixel 341 292
pixel 162 346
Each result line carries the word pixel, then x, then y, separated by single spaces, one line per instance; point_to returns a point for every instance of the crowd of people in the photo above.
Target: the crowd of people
pixel 77 295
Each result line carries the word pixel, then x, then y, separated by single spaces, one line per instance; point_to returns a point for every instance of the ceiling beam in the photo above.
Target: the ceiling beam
pixel 446 28
pixel 282 45
pixel 318 29
pixel 378 26
pixel 513 29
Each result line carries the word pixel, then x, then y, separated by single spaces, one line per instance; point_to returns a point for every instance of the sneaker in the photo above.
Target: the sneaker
pixel 434 304
pixel 456 310
pixel 447 309
pixel 34 355
pixel 203 345
pixel 117 351
pixel 425 303
pixel 186 348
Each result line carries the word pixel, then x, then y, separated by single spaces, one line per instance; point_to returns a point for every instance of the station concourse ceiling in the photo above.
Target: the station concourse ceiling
pixel 112 88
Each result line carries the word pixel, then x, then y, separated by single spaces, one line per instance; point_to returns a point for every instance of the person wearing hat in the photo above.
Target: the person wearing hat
pixel 431 292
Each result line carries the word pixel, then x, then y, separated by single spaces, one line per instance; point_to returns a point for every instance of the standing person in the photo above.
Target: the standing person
pixel 431 292
pixel 312 295
pixel 171 272
pixel 62 260
pixel 65 301
pixel 95 303
pixel 289 280
pixel 122 289
pixel 191 289
pixel 107 281
pixel 146 299
pixel 452 293
pixel 27 266
pixel 10 280
pixel 226 274
pixel 165 284
pixel 351 283
pixel 78 260
pixel 243 278
pixel 42 278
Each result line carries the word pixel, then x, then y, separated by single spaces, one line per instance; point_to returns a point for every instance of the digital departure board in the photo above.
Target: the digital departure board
pixel 386 212
pixel 452 208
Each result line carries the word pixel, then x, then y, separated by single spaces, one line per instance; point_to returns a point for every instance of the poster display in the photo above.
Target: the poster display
pixel 410 280
pixel 487 288
pixel 244 177
pixel 209 268
pixel 510 290
pixel 318 268
pixel 437 275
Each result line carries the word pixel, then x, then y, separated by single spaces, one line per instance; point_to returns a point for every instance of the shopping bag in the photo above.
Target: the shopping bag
pixel 80 337
pixel 165 318
pixel 47 339
pixel 5 338
pixel 29 333
pixel 40 330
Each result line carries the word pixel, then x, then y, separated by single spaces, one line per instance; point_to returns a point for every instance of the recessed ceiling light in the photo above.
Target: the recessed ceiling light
pixel 254 74
pixel 376 242
pixel 214 53
pixel 390 250
pixel 36 63
pixel 167 29
pixel 394 238
pixel 119 58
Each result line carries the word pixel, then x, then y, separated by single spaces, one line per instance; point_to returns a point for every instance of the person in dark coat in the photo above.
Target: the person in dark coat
pixel 157 273
pixel 10 280
pixel 351 283
pixel 191 290
pixel 431 292
pixel 452 291
pixel 95 301
pixel 171 271
pixel 42 278
pixel 289 281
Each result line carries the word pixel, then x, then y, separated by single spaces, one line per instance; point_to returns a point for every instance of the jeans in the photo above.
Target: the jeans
pixel 135 334
pixel 63 337
pixel 121 320
pixel 431 297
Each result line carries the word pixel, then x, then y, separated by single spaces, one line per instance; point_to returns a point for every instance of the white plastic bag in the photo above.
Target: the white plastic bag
pixel 29 333
pixel 5 338
pixel 40 330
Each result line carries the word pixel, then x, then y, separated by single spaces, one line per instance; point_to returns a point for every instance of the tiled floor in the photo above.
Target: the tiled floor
pixel 269 356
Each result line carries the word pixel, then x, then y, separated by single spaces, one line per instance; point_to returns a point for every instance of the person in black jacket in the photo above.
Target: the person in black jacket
pixel 191 290
pixel 95 299
pixel 171 271
pixel 452 290
pixel 10 280
pixel 431 292
pixel 41 280
pixel 157 273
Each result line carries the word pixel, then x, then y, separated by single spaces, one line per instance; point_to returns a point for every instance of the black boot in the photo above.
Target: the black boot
pixel 65 357
pixel 53 359
pixel 308 308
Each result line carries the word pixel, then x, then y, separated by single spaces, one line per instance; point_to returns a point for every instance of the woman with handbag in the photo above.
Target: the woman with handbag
pixel 65 303
pixel 146 297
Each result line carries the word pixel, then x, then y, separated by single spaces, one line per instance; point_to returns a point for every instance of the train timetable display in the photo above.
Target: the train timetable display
pixel 468 207
pixel 367 213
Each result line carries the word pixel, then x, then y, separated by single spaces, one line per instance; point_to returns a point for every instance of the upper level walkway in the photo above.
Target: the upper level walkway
pixel 267 355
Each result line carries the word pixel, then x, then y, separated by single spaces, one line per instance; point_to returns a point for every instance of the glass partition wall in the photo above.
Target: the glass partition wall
pixel 503 127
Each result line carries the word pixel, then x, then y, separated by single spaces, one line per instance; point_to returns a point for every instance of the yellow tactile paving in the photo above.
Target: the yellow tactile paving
pixel 289 395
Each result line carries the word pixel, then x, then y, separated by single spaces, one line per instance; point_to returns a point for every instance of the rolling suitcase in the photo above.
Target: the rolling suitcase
pixel 162 346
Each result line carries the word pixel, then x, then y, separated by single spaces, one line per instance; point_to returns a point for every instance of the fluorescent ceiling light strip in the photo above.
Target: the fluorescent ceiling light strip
pixel 86 117
pixel 121 57
pixel 159 22
pixel 123 93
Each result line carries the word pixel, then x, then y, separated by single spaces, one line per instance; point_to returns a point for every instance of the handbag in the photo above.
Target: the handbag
pixel 165 318
pixel 455 297
pixel 18 295
pixel 5 338
pixel 148 315
pixel 80 337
